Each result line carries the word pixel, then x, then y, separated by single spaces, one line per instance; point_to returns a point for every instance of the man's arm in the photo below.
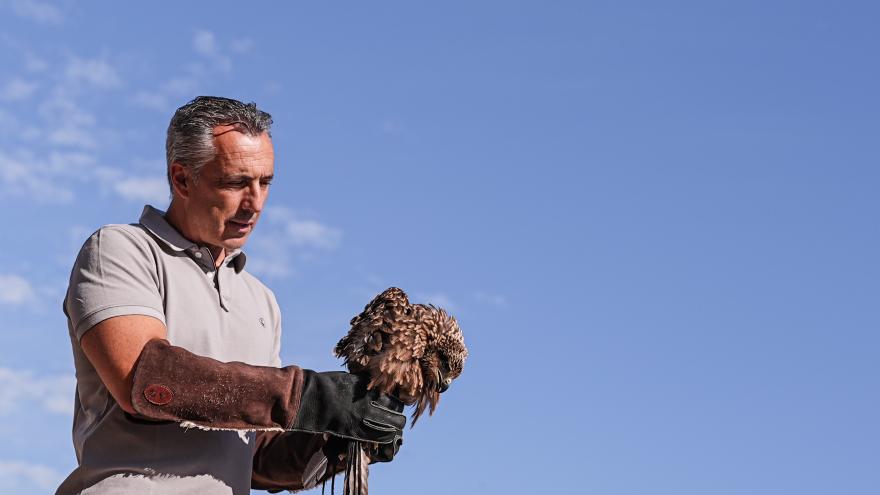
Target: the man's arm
pixel 295 460
pixel 113 347
pixel 170 383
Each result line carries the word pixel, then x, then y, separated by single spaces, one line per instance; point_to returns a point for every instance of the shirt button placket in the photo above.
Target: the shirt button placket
pixel 221 287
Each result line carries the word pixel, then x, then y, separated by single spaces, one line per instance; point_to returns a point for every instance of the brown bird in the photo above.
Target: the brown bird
pixel 411 351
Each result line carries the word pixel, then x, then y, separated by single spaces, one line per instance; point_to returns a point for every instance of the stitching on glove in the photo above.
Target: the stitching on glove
pixel 379 426
pixel 380 406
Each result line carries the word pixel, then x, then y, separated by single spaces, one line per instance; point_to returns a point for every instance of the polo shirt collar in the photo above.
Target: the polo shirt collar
pixel 154 220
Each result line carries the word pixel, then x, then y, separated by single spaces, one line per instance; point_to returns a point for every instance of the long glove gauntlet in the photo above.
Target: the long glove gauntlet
pixel 171 383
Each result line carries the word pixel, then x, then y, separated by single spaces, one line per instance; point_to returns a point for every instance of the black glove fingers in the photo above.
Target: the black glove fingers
pixel 338 403
pixel 385 452
pixel 386 417
pixel 387 401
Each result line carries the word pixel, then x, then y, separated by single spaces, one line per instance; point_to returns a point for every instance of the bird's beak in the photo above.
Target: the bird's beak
pixel 444 385
pixel 442 381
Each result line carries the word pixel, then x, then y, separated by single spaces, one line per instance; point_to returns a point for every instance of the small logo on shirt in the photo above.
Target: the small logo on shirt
pixel 262 322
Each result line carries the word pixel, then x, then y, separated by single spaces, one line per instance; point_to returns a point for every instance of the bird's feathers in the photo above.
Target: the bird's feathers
pixel 411 351
pixel 408 350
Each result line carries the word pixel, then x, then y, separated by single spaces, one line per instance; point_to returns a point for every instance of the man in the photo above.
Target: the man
pixel 169 330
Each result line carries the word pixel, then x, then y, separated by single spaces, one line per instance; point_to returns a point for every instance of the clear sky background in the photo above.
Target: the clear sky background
pixel 653 221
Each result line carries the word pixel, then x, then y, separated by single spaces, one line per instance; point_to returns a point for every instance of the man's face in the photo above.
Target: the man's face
pixel 222 206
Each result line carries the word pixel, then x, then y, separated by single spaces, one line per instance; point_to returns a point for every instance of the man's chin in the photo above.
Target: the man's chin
pixel 235 243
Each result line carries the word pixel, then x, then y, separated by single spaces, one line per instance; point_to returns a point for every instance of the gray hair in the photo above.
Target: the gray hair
pixel 190 140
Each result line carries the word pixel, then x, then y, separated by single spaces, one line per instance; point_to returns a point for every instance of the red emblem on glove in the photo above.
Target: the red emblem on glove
pixel 158 394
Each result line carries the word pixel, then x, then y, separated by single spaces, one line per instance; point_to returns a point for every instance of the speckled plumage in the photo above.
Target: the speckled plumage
pixel 412 351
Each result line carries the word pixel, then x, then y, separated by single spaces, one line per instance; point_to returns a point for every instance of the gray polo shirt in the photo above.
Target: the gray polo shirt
pixel 150 269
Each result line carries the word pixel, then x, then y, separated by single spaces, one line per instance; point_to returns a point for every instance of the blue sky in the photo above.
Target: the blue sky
pixel 652 220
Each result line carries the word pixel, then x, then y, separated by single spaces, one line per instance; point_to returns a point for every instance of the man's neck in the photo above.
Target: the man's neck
pixel 176 217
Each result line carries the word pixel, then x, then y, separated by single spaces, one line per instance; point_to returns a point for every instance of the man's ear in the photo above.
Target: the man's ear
pixel 181 182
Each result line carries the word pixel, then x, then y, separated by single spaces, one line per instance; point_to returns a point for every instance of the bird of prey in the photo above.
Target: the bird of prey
pixel 411 351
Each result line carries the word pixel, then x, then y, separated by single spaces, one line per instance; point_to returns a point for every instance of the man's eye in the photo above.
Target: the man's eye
pixel 235 184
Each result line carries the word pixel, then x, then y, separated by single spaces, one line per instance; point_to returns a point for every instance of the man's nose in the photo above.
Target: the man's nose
pixel 256 197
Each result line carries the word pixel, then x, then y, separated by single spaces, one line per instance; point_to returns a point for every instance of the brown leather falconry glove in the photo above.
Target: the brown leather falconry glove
pixel 171 383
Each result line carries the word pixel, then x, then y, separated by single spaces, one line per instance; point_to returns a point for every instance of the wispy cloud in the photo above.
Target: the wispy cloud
pixel 243 45
pixel 286 236
pixel 33 63
pixel 206 44
pixel 97 72
pixel 299 231
pixel 152 190
pixel 151 99
pixel 19 477
pixel 490 299
pixel 21 390
pixel 46 157
pixel 272 261
pixel 17 89
pixel 137 188
pixel 70 135
pixel 9 123
pixel 15 290
pixel 67 123
pixel 62 148
pixel 214 57
pixel 40 12
pixel 160 98
pixel 437 299
pixel 63 107
pixel 392 127
pixel 25 177
pixel 180 86
pixel 312 234
pixel 51 179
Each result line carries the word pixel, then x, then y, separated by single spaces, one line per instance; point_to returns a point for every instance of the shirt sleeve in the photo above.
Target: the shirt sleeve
pixel 115 274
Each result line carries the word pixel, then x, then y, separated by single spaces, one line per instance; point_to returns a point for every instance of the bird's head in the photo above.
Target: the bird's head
pixel 444 356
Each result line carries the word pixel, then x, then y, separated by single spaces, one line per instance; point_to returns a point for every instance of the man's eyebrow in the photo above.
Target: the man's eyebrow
pixel 240 177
